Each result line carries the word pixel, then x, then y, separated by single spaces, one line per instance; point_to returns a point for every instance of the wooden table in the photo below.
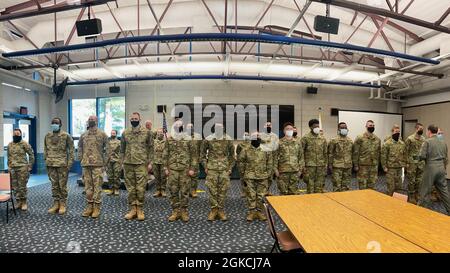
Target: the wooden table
pixel 426 228
pixel 333 222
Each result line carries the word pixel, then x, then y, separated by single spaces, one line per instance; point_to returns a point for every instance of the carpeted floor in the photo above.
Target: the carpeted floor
pixel 37 231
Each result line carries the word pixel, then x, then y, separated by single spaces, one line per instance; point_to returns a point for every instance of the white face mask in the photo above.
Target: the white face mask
pixel 316 130
pixel 343 132
pixel 289 133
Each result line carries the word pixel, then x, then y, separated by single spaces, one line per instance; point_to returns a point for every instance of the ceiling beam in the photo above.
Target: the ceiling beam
pixel 387 13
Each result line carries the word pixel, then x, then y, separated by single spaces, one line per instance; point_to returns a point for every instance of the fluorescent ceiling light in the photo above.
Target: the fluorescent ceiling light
pixel 11 85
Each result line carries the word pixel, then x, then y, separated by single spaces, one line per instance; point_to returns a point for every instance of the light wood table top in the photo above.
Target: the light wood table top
pixel 423 227
pixel 321 224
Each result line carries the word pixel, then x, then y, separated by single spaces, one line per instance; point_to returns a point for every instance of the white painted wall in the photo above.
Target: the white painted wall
pixel 143 97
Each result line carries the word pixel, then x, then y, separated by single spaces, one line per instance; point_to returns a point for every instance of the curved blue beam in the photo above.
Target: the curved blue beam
pixel 221 77
pixel 197 37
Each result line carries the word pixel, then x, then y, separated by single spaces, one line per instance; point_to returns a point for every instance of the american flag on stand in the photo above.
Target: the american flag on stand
pixel 164 123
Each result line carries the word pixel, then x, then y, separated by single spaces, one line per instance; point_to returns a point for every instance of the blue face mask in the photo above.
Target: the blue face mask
pixel 55 127
pixel 343 132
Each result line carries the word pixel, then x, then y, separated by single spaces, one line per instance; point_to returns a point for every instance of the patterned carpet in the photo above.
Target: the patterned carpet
pixel 37 231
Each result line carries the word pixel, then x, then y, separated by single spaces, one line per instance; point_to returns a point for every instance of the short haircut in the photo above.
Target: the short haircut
pixel 59 119
pixel 312 122
pixel 433 128
pixel 418 124
pixel 137 113
pixel 114 131
pixel 396 126
pixel 371 121
pixel 288 124
pixel 17 129
pixel 342 123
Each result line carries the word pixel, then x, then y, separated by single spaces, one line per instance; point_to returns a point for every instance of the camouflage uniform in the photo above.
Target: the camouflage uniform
pixel 19 166
pixel 366 156
pixel 393 157
pixel 239 148
pixel 289 161
pixel 158 166
pixel 114 166
pixel 316 161
pixel 257 166
pixel 197 143
pixel 92 154
pixel 59 157
pixel 414 167
pixel 269 143
pixel 179 158
pixel 137 152
pixel 340 151
pixel 218 159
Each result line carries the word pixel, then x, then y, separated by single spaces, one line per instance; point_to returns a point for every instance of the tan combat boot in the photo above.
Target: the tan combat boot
pixel 24 206
pixel 184 215
pixel 88 210
pixel 19 204
pixel 54 208
pixel 96 211
pixel 132 213
pixel 261 216
pixel 140 214
pixel 222 216
pixel 111 192
pixel 212 214
pixel 157 193
pixel 116 192
pixel 62 207
pixel 251 215
pixel 174 216
pixel 163 193
pixel 194 193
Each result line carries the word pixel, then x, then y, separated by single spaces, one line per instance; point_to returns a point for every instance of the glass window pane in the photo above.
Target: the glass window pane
pixel 111 114
pixel 81 110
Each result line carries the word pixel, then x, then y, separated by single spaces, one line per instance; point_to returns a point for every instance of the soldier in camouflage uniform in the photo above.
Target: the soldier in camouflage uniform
pixel 366 156
pixel 197 142
pixel 92 154
pixel 239 148
pixel 180 160
pixel 218 161
pixel 257 167
pixel 288 162
pixel 414 167
pixel 137 156
pixel 340 151
pixel 114 166
pixel 58 156
pixel 316 158
pixel 20 167
pixel 393 159
pixel 269 143
pixel 158 164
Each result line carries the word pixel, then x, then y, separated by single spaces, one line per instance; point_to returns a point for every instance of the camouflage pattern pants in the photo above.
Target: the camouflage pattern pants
pixel 256 192
pixel 315 178
pixel 58 177
pixel 414 174
pixel 160 176
pixel 341 178
pixel 394 180
pixel 217 183
pixel 19 180
pixel 135 181
pixel 194 181
pixel 243 184
pixel 288 183
pixel 367 176
pixel 434 174
pixel 178 183
pixel 93 181
pixel 114 170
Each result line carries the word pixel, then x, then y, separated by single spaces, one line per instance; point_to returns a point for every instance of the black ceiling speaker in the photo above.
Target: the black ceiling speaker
pixel 311 90
pixel 326 24
pixel 89 27
pixel 334 112
pixel 114 89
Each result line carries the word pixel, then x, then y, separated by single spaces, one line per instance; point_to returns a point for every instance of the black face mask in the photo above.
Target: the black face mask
pixel 294 134
pixel 256 142
pixel 113 137
pixel 269 130
pixel 135 123
pixel 92 123
pixel 180 129
pixel 17 139
pixel 420 132
pixel 371 129
pixel 396 136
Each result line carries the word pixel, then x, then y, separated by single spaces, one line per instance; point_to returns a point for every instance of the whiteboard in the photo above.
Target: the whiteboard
pixel 356 122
